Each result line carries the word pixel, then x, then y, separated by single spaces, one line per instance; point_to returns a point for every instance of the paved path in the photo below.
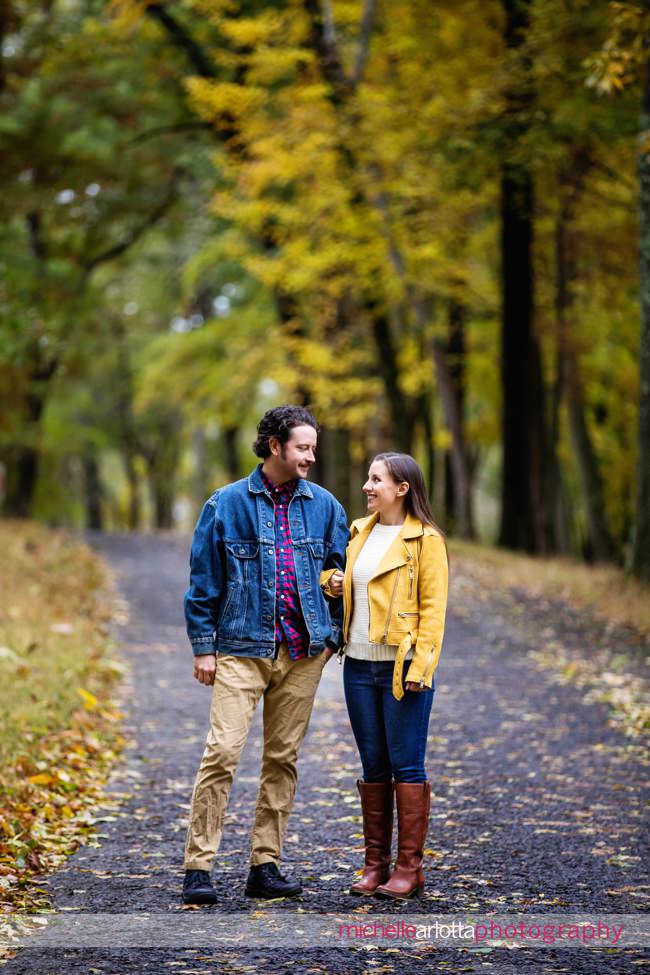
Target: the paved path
pixel 536 803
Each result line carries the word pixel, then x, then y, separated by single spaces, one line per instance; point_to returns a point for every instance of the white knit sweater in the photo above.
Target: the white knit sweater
pixel 363 570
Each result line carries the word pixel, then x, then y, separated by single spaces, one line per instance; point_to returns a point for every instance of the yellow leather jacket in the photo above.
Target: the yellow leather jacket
pixel 407 596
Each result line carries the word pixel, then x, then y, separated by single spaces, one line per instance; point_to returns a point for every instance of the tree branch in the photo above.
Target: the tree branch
pixel 189 126
pixel 130 238
pixel 364 41
pixel 323 39
pixel 201 61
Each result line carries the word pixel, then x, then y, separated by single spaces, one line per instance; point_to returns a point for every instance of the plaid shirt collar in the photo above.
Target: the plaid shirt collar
pixel 280 492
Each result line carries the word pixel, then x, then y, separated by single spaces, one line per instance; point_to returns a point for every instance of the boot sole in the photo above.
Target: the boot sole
pixel 385 895
pixel 268 896
pixel 201 899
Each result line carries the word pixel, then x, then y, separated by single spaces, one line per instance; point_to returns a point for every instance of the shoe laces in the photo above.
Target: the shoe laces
pixel 270 869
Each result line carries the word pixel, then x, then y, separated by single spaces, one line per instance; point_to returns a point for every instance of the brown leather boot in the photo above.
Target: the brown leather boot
pixel 377 810
pixel 407 879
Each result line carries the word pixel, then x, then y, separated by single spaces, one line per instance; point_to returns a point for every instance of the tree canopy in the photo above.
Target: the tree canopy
pixel 420 219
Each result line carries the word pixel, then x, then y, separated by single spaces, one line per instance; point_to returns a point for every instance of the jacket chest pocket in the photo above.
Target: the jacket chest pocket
pixel 314 551
pixel 241 561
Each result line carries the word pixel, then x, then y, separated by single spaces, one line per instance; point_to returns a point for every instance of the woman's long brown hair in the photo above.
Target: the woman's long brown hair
pixel 404 468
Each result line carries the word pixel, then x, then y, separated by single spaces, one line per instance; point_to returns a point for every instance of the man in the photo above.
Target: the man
pixel 260 627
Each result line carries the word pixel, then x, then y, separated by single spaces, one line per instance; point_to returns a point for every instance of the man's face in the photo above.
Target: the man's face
pixel 295 457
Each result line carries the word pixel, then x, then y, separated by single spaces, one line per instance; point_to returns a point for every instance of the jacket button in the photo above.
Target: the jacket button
pixel 269 524
pixel 270 551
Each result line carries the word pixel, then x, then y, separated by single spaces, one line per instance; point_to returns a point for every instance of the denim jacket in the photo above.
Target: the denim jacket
pixel 230 603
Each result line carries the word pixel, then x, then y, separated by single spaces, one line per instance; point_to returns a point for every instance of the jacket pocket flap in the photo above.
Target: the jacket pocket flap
pixel 243 550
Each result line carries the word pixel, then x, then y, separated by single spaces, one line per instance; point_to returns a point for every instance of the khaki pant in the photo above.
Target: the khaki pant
pixel 288 689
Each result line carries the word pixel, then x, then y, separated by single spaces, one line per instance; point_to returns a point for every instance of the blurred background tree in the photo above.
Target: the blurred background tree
pixel 419 219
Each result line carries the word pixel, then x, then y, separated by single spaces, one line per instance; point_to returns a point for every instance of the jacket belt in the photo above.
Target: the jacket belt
pixel 402 650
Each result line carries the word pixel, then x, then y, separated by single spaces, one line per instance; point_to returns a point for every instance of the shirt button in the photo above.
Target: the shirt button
pixel 282 550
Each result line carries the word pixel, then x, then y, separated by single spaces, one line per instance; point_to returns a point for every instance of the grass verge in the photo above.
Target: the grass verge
pixel 601 590
pixel 59 727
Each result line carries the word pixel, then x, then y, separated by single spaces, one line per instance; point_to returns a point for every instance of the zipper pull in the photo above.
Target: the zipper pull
pixel 421 683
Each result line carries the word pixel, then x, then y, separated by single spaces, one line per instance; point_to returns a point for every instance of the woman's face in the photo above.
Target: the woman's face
pixel 382 492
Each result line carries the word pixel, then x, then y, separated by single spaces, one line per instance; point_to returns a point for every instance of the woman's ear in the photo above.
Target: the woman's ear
pixel 403 489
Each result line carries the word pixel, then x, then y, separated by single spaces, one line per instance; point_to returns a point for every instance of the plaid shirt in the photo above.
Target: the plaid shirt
pixel 289 621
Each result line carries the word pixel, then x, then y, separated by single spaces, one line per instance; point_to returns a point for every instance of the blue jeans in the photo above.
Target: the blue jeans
pixel 391 735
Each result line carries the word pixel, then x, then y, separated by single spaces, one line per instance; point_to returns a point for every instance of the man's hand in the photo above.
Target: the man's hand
pixel 205 668
pixel 335 584
pixel 328 653
pixel 412 686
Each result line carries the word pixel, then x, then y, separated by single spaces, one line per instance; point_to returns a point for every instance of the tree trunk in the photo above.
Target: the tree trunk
pixel 601 544
pixel 449 363
pixel 332 467
pixel 640 552
pixel 162 464
pixel 230 446
pixel 426 414
pixel 23 459
pixel 569 385
pixel 522 409
pixel 399 407
pixel 519 356
pixel 93 492
pixel 163 496
pixel 134 512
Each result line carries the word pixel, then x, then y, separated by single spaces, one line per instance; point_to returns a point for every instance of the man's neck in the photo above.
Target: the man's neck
pixel 275 477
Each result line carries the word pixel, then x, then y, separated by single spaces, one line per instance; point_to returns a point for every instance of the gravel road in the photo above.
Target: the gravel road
pixel 536 805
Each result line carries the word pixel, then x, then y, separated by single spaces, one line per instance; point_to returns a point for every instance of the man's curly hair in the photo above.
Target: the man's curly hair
pixel 279 423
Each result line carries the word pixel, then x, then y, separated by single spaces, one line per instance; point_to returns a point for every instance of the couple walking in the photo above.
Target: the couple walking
pixel 277 585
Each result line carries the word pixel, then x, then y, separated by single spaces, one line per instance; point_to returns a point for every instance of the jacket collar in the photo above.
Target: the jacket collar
pixel 412 527
pixel 256 484
pixel 397 552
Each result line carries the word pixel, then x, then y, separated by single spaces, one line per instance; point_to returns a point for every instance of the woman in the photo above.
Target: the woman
pixel 395 595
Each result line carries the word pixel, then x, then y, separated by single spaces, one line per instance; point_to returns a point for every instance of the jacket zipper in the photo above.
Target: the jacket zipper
pixel 429 658
pixel 408 614
pixel 392 603
pixel 410 580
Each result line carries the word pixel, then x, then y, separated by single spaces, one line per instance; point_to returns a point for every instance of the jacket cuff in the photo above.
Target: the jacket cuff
pixel 423 665
pixel 202 645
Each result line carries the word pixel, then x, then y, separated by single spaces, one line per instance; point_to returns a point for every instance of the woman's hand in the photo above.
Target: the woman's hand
pixel 411 685
pixel 335 584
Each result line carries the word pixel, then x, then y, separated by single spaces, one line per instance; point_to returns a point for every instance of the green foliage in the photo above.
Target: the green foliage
pixel 344 185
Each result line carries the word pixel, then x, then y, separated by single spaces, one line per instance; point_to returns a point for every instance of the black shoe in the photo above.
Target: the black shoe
pixel 267 881
pixel 197 888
